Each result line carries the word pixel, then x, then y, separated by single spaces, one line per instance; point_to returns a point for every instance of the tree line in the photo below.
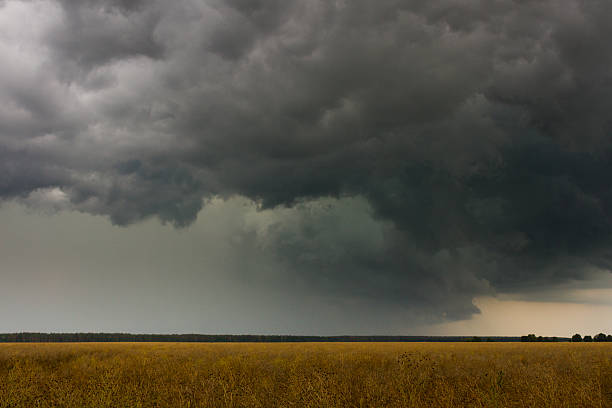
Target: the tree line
pixel 530 338
pixel 28 337
pixel 576 338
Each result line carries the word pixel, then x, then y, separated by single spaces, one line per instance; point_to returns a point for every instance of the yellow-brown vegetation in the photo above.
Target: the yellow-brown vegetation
pixel 306 375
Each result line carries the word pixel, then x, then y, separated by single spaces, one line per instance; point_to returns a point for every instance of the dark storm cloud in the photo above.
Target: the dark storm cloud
pixel 338 248
pixel 477 132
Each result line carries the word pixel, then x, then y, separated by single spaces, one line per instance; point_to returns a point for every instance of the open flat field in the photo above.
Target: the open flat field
pixel 306 375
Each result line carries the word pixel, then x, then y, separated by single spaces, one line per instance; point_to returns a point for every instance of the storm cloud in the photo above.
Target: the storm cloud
pixel 410 153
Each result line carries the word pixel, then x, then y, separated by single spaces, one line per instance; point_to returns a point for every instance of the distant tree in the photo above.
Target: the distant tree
pixel 476 339
pixel 609 337
pixel 576 338
pixel 529 338
pixel 587 338
pixel 600 337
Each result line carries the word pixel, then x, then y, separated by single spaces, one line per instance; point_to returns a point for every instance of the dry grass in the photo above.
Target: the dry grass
pixel 306 375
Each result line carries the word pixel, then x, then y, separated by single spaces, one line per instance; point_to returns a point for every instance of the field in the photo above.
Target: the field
pixel 306 375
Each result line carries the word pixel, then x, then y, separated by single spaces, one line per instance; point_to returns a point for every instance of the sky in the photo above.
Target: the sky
pixel 306 167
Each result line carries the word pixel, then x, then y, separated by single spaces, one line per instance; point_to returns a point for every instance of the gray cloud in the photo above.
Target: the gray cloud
pixel 476 133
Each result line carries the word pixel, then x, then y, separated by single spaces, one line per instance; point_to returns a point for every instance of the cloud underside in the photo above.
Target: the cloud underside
pixel 413 153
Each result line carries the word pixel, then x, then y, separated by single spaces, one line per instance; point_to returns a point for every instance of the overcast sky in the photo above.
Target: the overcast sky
pixel 306 166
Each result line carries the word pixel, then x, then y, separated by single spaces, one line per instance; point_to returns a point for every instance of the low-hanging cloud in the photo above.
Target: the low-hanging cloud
pixel 472 137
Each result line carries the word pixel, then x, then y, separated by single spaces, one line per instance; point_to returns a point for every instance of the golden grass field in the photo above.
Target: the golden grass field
pixel 306 375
